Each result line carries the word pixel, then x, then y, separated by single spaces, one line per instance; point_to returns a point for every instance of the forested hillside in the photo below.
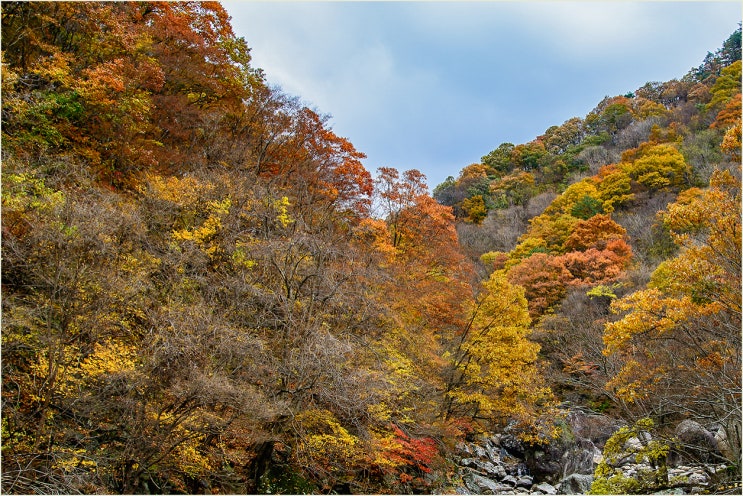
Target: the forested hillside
pixel 204 290
pixel 623 228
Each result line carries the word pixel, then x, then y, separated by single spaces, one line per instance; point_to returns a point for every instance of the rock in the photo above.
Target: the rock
pixel 495 470
pixel 464 448
pixel 581 459
pixel 468 462
pixel 698 478
pixel 696 443
pixel 636 443
pixel 512 445
pixel 525 481
pixel 502 474
pixel 510 480
pixel 594 427
pixel 689 431
pixel 629 470
pixel 545 463
pixel 480 451
pixel 483 485
pixel 576 484
pixel 544 488
pixel 493 452
pixel 723 446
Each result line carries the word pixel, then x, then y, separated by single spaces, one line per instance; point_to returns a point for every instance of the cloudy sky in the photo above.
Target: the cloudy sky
pixel 435 86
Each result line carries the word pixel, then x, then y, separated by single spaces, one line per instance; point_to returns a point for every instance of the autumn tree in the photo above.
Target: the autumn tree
pixel 501 158
pixel 610 116
pixel 431 278
pixel 598 231
pixel 512 189
pixel 726 86
pixel 494 375
pixel 544 279
pixel 657 166
pixel 475 208
pixel 120 73
pixel 679 339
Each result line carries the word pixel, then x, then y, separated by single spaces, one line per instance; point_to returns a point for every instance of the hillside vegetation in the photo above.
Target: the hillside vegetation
pixel 204 290
pixel 624 230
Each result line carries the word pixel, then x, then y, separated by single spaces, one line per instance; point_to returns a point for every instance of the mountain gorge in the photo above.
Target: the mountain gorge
pixel 204 289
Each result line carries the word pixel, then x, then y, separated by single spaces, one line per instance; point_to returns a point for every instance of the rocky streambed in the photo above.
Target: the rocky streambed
pixel 501 464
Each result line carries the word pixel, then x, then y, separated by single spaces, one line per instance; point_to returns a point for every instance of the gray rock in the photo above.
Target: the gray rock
pixel 468 462
pixel 510 480
pixel 512 444
pixel 544 488
pixel 480 451
pixel 696 443
pixel 483 485
pixel 545 463
pixel 493 452
pixel 698 478
pixel 594 427
pixel 721 439
pixel 635 443
pixel 496 471
pixel 576 484
pixel 464 448
pixel 525 481
pixel 582 459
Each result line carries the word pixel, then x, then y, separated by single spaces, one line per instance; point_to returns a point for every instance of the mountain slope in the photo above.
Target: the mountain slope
pixel 196 296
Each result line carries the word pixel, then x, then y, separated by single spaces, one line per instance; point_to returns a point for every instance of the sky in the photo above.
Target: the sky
pixel 435 86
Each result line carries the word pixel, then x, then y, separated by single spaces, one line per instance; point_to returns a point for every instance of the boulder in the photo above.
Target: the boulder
pixel 525 481
pixel 581 459
pixel 464 449
pixel 723 446
pixel 544 488
pixel 696 444
pixel 545 463
pixel 576 484
pixel 636 443
pixel 491 469
pixel 698 478
pixel 512 445
pixel 493 452
pixel 482 485
pixel 480 451
pixel 594 427
pixel 510 480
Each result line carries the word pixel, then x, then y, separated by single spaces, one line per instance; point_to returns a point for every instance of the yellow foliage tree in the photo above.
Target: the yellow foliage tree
pixel 658 166
pixel 494 368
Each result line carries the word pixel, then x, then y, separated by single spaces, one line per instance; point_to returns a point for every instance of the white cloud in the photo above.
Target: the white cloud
pixel 437 85
pixel 584 28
